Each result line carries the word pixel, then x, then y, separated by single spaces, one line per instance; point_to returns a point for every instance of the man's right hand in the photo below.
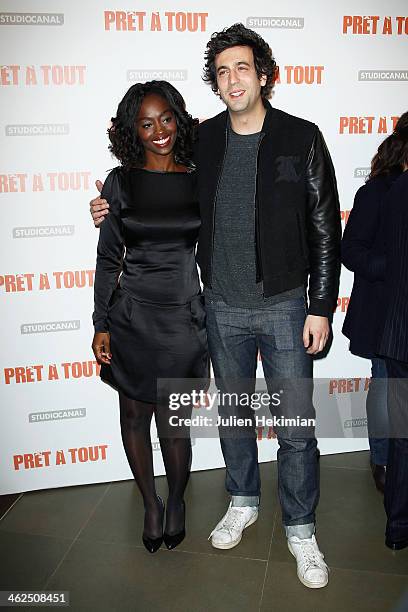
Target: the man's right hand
pixel 98 206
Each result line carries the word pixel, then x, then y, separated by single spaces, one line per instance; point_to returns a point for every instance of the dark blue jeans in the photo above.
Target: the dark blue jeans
pixel 377 413
pixel 234 336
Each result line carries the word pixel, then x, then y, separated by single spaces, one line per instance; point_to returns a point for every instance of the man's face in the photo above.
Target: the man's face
pixel 237 80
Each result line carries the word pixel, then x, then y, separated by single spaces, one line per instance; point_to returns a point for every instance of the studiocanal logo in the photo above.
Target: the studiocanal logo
pixel 383 75
pixel 288 23
pixel 50 326
pixel 136 75
pixel 57 415
pixel 44 231
pixel 156 444
pixel 351 423
pixel 361 172
pixel 37 129
pixel 32 19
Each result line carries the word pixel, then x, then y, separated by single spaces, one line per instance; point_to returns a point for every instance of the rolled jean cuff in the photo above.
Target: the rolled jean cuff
pixel 244 500
pixel 300 531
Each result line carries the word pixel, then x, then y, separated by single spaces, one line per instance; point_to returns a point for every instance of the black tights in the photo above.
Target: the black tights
pixel 135 421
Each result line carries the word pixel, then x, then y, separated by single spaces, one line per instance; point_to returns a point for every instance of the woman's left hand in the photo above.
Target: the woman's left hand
pixel 101 348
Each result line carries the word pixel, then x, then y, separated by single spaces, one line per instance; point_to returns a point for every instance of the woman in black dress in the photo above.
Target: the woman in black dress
pixel 149 317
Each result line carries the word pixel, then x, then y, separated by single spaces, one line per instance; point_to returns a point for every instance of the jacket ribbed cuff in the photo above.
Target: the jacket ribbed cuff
pixel 320 308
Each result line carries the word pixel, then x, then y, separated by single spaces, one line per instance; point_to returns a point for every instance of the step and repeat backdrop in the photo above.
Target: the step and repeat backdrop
pixel 64 68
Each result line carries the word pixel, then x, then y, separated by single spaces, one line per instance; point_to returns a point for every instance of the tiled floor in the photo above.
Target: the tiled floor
pixel 86 540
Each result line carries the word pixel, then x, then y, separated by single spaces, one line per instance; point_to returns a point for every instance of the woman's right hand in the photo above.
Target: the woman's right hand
pixel 101 348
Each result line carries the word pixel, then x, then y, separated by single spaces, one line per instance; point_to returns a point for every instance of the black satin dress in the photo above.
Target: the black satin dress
pixel 154 312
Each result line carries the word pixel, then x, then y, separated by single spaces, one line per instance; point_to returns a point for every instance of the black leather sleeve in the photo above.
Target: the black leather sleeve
pixel 323 229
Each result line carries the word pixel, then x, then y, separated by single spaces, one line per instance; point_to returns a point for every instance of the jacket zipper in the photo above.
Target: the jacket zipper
pixel 257 245
pixel 215 201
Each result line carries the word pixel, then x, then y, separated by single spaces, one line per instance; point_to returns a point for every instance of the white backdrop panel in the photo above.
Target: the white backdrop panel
pixel 64 68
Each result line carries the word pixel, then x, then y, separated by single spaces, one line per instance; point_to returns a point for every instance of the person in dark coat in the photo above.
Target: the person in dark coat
pixel 393 345
pixel 363 252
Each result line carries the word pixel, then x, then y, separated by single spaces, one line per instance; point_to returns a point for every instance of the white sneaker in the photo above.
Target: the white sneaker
pixel 312 571
pixel 228 532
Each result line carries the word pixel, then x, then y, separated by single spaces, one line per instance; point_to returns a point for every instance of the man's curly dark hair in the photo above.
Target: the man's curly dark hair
pixel 239 35
pixel 125 143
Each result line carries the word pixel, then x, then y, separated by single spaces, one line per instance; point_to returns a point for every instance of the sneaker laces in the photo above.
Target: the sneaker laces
pixel 311 554
pixel 232 518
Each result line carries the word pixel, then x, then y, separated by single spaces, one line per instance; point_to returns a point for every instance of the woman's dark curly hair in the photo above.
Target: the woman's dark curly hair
pixel 239 35
pixel 125 143
pixel 392 154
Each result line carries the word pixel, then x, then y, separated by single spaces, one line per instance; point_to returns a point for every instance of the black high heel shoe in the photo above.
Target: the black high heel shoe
pixel 153 544
pixel 171 541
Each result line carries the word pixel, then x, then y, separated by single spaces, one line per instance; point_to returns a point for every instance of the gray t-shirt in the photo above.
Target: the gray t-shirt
pixel 234 257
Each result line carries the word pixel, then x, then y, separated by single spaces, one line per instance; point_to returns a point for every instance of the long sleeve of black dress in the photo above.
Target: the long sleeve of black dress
pixel 109 253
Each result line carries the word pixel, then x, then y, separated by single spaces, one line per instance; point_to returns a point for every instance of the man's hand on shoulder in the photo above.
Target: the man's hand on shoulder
pixel 98 206
pixel 315 334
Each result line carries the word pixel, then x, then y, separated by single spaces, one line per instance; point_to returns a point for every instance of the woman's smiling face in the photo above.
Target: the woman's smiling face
pixel 156 125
